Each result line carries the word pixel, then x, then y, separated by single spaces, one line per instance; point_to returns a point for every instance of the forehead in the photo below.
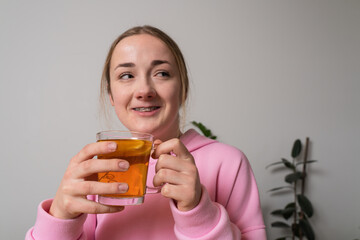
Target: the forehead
pixel 141 47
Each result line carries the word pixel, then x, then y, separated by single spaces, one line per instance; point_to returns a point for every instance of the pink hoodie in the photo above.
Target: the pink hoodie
pixel 229 207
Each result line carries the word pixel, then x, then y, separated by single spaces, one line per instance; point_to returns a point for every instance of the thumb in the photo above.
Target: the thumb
pixel 157 142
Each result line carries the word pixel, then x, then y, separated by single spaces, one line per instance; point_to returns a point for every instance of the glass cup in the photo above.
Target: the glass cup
pixel 135 148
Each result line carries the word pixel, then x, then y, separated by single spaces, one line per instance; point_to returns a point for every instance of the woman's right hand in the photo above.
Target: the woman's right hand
pixel 80 180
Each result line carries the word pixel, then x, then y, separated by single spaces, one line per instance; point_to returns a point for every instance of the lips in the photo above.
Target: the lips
pixel 146 109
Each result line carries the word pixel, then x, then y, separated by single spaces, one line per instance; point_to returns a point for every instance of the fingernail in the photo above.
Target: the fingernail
pixel 112 146
pixel 124 165
pixel 123 188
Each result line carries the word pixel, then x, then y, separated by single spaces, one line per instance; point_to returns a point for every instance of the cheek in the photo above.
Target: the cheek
pixel 111 99
pixel 119 99
pixel 172 95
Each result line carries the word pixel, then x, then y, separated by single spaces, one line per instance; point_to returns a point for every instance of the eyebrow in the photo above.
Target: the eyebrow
pixel 129 64
pixel 153 63
pixel 159 62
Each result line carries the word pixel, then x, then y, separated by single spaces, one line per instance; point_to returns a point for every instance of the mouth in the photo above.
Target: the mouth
pixel 146 109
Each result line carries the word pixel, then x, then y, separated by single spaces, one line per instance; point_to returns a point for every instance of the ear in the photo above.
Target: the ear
pixel 111 99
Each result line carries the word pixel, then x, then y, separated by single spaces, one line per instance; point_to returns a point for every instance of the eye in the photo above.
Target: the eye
pixel 163 74
pixel 126 76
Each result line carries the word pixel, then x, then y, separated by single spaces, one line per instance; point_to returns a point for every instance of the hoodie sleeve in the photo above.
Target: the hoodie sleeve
pixel 238 193
pixel 209 220
pixel 49 227
pixel 229 207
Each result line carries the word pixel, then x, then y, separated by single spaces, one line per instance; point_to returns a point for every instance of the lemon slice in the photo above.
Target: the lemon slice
pixel 137 144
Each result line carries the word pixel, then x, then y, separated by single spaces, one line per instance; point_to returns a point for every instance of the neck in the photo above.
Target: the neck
pixel 172 131
pixel 167 135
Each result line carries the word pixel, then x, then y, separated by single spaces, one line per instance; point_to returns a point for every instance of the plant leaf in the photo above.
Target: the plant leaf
pixel 307 229
pixel 292 177
pixel 277 212
pixel 288 212
pixel 280 225
pixel 285 213
pixel 284 161
pixel 279 188
pixel 205 131
pixel 272 164
pixel 202 128
pixel 296 150
pixel 305 205
pixel 308 161
pixel 288 164
pixel 291 205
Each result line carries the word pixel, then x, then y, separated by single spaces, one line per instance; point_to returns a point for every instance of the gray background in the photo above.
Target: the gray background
pixel 263 73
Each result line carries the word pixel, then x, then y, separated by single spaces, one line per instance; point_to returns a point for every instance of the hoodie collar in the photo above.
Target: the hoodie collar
pixel 193 140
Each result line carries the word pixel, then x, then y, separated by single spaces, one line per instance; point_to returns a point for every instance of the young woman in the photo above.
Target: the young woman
pixel 208 192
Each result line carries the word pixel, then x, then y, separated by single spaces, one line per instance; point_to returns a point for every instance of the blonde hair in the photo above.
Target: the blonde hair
pixel 105 88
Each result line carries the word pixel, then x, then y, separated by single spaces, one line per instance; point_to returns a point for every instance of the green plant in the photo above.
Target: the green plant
pixel 300 209
pixel 207 132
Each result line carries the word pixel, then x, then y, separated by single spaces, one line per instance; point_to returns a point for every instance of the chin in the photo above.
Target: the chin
pixel 158 129
pixel 143 129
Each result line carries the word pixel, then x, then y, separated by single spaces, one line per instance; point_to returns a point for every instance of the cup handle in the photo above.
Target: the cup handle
pixel 152 190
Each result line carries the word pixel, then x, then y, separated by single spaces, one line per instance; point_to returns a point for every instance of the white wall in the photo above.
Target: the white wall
pixel 263 74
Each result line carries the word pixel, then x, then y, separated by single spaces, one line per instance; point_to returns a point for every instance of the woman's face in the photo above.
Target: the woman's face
pixel 145 86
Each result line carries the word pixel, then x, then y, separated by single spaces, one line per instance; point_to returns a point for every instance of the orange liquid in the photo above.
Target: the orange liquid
pixel 137 153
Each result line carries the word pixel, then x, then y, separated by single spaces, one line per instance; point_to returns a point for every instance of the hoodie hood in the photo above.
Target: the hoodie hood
pixel 193 140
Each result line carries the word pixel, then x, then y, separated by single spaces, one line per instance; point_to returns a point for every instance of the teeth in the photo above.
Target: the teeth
pixel 146 109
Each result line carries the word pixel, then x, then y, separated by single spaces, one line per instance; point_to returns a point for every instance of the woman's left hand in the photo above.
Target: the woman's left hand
pixel 177 172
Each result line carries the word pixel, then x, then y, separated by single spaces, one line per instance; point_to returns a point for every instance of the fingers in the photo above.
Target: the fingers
pixel 178 192
pixel 84 188
pixel 175 163
pixel 89 167
pixel 80 180
pixel 73 207
pixel 179 169
pixel 93 149
pixel 185 196
pixel 177 172
pixel 174 146
pixel 173 177
pixel 88 206
pixel 183 188
pixel 156 143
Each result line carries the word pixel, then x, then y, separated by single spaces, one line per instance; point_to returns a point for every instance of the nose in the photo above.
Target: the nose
pixel 145 89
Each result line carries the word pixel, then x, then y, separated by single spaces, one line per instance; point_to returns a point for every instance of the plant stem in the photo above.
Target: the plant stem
pixel 304 167
pixel 295 211
pixel 303 180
